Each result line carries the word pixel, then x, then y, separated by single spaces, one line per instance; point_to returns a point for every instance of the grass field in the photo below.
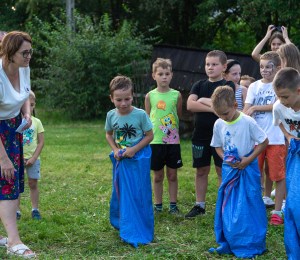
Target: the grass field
pixel 75 191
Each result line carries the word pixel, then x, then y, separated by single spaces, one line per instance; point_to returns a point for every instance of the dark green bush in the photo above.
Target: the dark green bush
pixel 75 71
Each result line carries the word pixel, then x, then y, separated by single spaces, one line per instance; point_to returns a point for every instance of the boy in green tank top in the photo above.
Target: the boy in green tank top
pixel 164 106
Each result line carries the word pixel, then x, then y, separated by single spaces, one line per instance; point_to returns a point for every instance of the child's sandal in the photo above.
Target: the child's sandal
pixel 20 250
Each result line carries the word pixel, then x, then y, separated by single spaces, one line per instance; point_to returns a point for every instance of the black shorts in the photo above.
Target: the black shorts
pixel 165 154
pixel 202 152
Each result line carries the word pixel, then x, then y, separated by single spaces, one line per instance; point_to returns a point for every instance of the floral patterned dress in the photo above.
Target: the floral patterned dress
pixel 13 144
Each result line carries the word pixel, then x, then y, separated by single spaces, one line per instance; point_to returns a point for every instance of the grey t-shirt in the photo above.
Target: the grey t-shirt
pixel 128 129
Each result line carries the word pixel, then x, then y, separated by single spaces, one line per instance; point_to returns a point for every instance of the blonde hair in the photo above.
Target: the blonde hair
pixel 290 54
pixel 216 53
pixel 164 63
pixel 246 77
pixel 287 78
pixel 31 95
pixel 222 96
pixel 272 56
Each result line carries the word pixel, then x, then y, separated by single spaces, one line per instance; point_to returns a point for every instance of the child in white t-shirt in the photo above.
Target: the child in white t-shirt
pixel 238 213
pixel 33 143
pixel 286 112
pixel 262 96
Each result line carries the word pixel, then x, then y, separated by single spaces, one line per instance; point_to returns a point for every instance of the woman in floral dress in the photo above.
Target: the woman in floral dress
pixel 15 55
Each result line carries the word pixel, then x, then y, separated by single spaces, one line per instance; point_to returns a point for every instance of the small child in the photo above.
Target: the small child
pixel 246 81
pixel 233 73
pixel 262 95
pixel 129 132
pixel 33 143
pixel 205 117
pixel 164 106
pixel 240 216
pixel 286 114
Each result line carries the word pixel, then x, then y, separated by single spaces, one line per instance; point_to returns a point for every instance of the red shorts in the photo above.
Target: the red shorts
pixel 275 157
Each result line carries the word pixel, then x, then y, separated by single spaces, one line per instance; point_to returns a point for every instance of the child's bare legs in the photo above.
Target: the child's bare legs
pixel 34 192
pixel 158 180
pixel 279 195
pixel 219 173
pixel 201 182
pixel 173 183
pixel 268 181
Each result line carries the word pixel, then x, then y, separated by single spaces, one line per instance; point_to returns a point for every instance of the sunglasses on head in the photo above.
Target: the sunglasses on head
pixel 26 53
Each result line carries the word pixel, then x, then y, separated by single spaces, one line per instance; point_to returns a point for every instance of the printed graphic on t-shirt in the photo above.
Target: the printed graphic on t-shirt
pixel 228 144
pixel 294 125
pixel 28 135
pixel 168 127
pixel 124 133
pixel 264 98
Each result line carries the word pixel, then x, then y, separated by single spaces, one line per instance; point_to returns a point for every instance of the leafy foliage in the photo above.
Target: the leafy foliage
pixel 77 70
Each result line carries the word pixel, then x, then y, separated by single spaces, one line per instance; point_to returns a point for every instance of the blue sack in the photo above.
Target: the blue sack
pixel 292 210
pixel 131 208
pixel 240 216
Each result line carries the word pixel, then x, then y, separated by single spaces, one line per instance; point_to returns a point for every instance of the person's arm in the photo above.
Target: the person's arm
pixel 265 108
pixel 131 151
pixel 147 104
pixel 194 106
pixel 257 151
pixel 25 109
pixel 179 105
pixel 38 150
pixel 111 142
pixel 205 101
pixel 287 135
pixel 285 35
pixel 258 48
pixel 244 94
pixel 219 151
pixel 7 168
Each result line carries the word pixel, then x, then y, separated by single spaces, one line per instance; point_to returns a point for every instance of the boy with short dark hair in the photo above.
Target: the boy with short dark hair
pixel 262 96
pixel 129 132
pixel 240 216
pixel 286 114
pixel 205 117
pixel 246 81
pixel 164 106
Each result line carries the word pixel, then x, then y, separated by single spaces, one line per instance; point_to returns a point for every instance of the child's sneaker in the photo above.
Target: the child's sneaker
pixel 269 203
pixel 283 207
pixel 36 214
pixel 157 211
pixel 276 220
pixel 18 216
pixel 175 211
pixel 195 211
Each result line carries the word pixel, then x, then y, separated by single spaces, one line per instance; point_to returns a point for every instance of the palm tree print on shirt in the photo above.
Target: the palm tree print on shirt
pixel 128 131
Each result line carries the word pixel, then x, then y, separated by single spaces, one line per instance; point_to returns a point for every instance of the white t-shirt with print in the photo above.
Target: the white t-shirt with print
pixel 240 134
pixel 289 118
pixel 10 100
pixel 258 94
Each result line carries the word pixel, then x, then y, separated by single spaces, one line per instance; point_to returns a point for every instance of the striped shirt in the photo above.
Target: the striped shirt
pixel 239 99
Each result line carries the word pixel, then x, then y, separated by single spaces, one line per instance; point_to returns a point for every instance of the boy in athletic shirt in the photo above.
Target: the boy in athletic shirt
pixel 205 117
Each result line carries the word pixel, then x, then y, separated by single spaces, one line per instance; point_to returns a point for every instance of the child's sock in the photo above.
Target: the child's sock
pixel 35 209
pixel 18 212
pixel 202 204
pixel 159 207
pixel 277 212
pixel 173 205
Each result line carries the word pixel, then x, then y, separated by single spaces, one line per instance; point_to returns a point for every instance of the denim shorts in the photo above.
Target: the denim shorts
pixel 33 171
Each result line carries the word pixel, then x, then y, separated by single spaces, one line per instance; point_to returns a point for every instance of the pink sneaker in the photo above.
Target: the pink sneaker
pixel 276 220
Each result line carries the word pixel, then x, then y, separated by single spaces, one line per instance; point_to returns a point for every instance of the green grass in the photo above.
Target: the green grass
pixel 75 191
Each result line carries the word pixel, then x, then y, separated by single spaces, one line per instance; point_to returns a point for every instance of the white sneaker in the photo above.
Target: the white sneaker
pixel 283 207
pixel 273 193
pixel 269 203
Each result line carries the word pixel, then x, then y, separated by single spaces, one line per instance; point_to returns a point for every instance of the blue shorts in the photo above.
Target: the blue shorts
pixel 33 172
